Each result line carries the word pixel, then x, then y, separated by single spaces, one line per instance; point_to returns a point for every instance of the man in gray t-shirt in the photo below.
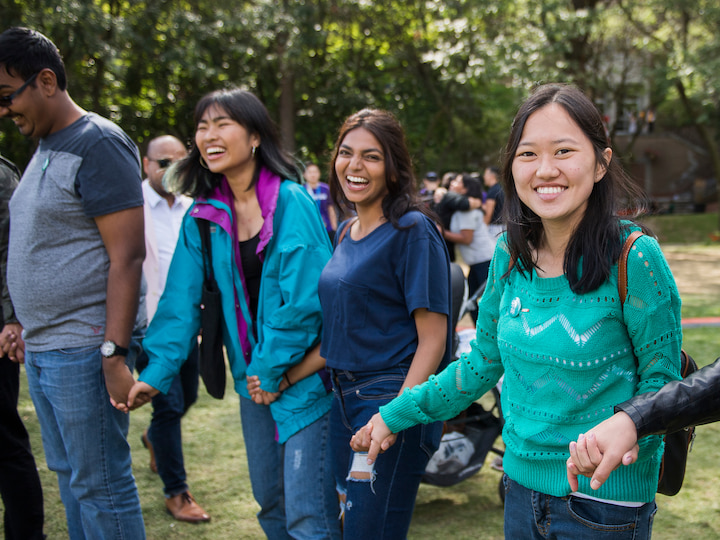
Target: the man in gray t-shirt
pixel 74 268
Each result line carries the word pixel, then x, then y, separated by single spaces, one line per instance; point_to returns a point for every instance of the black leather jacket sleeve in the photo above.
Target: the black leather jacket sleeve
pixel 689 402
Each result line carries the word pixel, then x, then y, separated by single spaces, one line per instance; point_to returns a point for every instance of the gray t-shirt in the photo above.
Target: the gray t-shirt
pixel 57 262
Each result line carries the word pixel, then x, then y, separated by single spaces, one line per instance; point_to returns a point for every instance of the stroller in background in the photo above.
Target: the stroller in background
pixel 470 436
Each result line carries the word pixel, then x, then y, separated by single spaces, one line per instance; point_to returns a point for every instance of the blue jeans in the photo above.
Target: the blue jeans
pixel 533 515
pixel 85 441
pixel 380 507
pixel 165 432
pixel 291 482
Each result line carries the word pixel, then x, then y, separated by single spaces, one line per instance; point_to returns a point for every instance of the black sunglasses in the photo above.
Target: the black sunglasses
pixel 6 101
pixel 163 163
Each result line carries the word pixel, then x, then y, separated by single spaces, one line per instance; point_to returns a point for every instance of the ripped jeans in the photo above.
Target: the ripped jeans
pixel 381 506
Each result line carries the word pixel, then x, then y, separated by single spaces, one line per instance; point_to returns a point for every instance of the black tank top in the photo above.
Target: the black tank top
pixel 252 270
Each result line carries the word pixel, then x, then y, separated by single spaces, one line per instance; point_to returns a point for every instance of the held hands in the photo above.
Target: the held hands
pixel 118 380
pixel 602 450
pixel 375 437
pixel 258 395
pixel 11 343
pixel 140 394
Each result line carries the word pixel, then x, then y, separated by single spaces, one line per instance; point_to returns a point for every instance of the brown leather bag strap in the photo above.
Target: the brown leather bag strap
pixel 622 264
pixel 346 229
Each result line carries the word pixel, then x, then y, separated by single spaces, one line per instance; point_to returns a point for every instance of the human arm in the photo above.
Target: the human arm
pixel 123 237
pixel 692 401
pixel 432 333
pixel 488 209
pixel 465 236
pixel 311 363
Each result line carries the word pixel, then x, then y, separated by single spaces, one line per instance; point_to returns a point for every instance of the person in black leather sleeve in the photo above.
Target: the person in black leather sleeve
pixel 692 401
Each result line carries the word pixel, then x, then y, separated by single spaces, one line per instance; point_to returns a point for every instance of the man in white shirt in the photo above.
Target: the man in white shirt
pixel 164 213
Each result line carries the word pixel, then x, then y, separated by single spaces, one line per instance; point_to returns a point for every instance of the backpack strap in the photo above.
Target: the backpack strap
pixel 622 264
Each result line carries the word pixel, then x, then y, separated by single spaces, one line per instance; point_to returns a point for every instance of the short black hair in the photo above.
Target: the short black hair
pixel 25 52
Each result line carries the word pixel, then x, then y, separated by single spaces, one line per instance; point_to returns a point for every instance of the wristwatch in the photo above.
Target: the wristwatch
pixel 110 349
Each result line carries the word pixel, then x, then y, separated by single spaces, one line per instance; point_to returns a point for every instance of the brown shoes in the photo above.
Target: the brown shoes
pixel 184 508
pixel 146 443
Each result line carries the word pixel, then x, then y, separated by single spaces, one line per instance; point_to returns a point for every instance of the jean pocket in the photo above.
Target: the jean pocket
pixel 430 435
pixel 382 388
pixel 604 517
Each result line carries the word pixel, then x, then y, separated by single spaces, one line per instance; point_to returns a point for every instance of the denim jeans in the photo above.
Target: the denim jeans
pixel 380 507
pixel 291 482
pixel 19 481
pixel 533 515
pixel 165 432
pixel 85 441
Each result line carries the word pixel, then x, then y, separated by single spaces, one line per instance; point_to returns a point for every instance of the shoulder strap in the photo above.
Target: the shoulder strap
pixel 346 229
pixel 622 264
pixel 204 226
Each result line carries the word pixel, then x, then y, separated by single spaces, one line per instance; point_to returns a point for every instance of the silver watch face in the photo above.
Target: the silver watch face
pixel 107 348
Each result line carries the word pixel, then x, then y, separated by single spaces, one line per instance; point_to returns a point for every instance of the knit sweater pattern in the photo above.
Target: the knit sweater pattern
pixel 567 360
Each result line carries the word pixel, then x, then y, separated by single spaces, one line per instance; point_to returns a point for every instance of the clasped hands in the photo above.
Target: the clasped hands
pixel 601 450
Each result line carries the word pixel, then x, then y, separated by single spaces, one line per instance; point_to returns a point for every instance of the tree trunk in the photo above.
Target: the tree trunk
pixel 704 133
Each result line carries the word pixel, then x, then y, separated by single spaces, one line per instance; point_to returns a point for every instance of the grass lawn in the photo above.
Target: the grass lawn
pixel 218 477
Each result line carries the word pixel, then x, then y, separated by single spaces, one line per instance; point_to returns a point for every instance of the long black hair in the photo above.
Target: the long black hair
pixel 195 180
pixel 597 241
pixel 402 190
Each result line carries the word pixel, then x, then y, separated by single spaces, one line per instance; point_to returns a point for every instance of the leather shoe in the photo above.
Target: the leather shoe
pixel 184 508
pixel 147 444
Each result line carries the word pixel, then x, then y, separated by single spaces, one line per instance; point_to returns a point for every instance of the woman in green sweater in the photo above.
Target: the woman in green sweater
pixel 551 321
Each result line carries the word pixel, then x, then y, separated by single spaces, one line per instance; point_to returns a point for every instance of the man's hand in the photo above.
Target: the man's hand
pixel 603 449
pixel 118 379
pixel 11 342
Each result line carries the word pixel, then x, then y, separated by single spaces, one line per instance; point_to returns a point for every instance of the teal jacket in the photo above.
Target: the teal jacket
pixel 294 248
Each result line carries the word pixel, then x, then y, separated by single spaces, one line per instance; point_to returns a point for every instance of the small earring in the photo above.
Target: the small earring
pixel 253 152
pixel 203 164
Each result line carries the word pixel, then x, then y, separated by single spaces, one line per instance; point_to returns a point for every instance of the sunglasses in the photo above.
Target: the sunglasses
pixel 6 101
pixel 163 163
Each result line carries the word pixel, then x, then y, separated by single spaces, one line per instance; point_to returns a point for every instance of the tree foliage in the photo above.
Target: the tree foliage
pixel 453 72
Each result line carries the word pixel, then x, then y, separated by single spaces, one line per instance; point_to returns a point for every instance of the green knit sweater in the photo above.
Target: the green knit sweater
pixel 567 360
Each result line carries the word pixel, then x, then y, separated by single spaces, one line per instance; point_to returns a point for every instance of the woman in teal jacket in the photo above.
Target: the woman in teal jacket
pixel 269 246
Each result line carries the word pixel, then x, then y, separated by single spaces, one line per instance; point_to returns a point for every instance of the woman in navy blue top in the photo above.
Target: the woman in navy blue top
pixel 385 296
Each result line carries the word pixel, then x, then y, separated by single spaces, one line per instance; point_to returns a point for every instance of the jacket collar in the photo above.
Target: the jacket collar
pixel 267 190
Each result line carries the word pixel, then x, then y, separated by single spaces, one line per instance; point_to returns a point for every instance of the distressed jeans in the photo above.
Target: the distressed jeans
pixel 381 506
pixel 291 482
pixel 85 441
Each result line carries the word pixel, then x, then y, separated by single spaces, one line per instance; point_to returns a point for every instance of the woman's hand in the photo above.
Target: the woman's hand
pixel 603 449
pixel 140 394
pixel 258 395
pixel 373 438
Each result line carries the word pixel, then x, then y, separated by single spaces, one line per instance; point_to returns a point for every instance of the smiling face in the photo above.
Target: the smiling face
pixel 224 144
pixel 555 168
pixel 28 108
pixel 360 168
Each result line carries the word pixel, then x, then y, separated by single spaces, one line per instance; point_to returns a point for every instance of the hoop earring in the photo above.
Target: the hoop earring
pixel 253 152
pixel 203 164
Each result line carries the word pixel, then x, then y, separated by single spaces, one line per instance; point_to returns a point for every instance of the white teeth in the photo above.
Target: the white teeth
pixel 215 150
pixel 357 180
pixel 550 190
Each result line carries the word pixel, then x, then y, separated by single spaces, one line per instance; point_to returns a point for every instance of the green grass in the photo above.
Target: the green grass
pixel 218 477
pixel 683 228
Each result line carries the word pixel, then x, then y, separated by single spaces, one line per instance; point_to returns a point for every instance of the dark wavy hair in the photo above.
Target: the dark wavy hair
pixel 194 180
pixel 596 243
pixel 25 52
pixel 402 190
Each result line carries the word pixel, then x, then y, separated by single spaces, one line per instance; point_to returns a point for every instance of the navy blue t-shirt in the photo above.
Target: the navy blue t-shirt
pixel 370 287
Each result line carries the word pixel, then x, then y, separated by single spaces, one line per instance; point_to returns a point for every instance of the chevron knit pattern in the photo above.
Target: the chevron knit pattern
pixel 567 359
